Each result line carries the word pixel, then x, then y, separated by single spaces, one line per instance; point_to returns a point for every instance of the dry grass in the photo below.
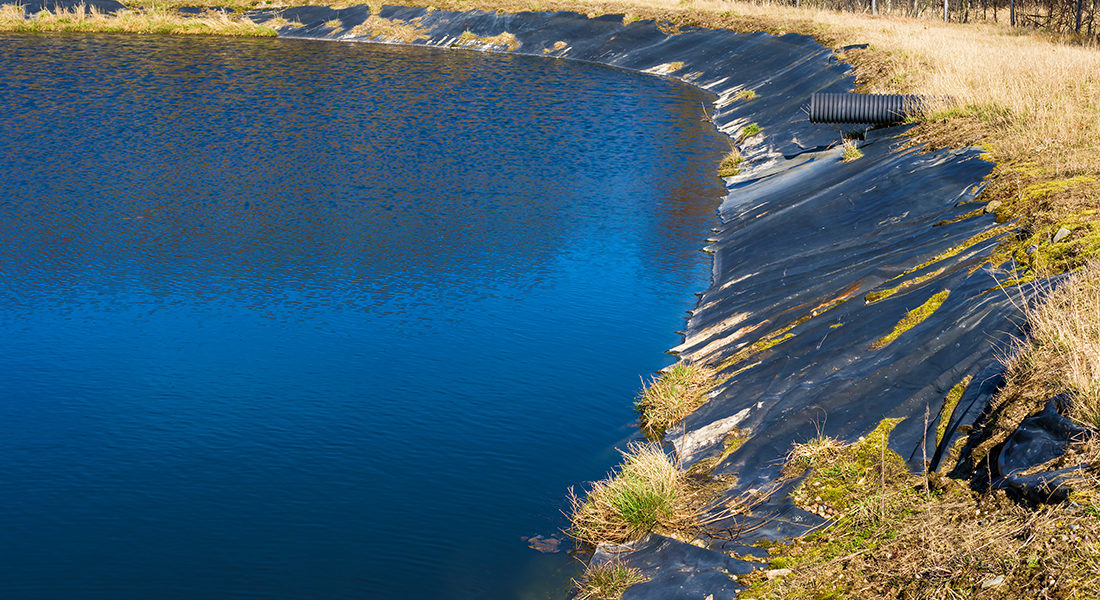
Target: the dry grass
pixel 1065 341
pixel 648 493
pixel 809 454
pixel 731 164
pixel 850 151
pixel 1061 354
pixel 893 537
pixel 667 399
pixel 390 30
pixel 502 40
pixel 607 581
pixel 13 18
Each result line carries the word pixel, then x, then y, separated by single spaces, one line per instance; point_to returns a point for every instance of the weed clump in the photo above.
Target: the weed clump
pixel 607 581
pixel 750 130
pixel 667 399
pixel 731 164
pixel 648 493
pixel 850 152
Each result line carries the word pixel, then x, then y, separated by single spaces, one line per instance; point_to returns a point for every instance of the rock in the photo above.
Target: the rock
pixel 993 582
pixel 546 545
pixel 992 206
pixel 776 573
pixel 1031 249
pixel 1062 234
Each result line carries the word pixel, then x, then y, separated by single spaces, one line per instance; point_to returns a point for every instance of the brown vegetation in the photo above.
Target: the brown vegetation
pixel 143 20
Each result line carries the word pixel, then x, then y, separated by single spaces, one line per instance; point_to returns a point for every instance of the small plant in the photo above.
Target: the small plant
pixel 851 151
pixel 608 581
pixel 675 66
pixel 746 94
pixel 648 493
pixel 671 397
pixel 731 164
pixel 750 130
pixel 334 24
pixel 811 453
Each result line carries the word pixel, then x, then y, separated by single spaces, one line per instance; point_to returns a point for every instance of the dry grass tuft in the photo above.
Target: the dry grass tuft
pixel 390 30
pixel 807 455
pixel 502 40
pixel 731 164
pixel 851 151
pixel 648 493
pixel 607 581
pixel 669 398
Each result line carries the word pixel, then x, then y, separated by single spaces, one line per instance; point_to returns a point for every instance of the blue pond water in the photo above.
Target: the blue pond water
pixel 302 320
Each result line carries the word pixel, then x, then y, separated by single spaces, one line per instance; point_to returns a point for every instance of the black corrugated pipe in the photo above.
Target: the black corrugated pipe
pixel 873 109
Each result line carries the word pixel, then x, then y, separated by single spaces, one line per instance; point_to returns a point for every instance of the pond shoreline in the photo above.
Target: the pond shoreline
pixel 792 323
pixel 794 349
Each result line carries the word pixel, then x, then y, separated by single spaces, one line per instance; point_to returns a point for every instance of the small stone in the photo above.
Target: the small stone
pixel 1031 249
pixel 992 206
pixel 1062 234
pixel 776 573
pixel 993 582
pixel 546 545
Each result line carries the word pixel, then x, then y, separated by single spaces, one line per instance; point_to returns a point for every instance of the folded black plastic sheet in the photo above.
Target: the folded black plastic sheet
pixel 1039 440
pixel 803 238
pixel 679 571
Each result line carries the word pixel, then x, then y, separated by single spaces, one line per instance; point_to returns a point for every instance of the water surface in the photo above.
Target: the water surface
pixel 303 320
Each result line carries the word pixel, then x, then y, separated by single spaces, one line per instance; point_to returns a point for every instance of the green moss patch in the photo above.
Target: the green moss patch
pixel 949 404
pixel 912 319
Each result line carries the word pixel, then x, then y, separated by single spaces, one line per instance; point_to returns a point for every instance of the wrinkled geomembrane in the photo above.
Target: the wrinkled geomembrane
pixel 804 237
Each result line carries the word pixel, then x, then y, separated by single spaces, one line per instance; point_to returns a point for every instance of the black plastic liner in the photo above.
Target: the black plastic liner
pixel 804 237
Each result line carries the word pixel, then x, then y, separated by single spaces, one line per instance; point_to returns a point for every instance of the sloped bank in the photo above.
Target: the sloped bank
pixel 817 262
